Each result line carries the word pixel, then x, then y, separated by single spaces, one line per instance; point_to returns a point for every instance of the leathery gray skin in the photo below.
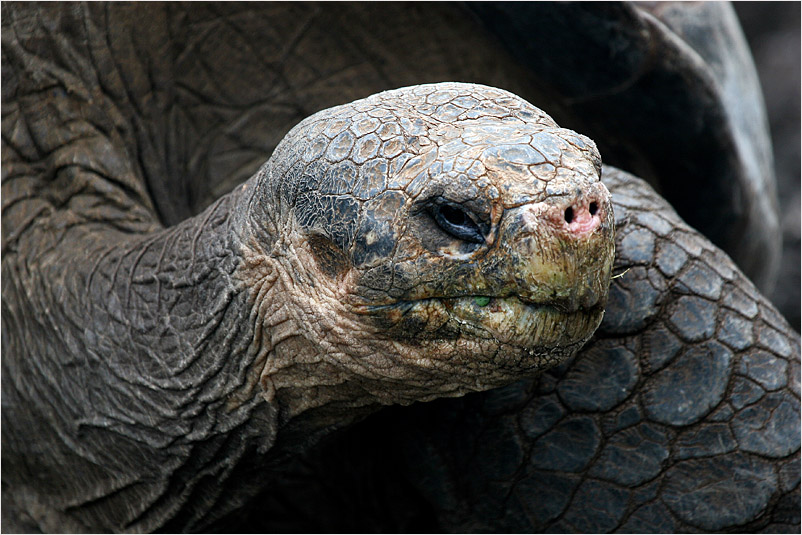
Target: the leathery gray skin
pixel 420 243
pixel 680 415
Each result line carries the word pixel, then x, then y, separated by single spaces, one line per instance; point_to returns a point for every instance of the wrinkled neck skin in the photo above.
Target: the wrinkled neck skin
pixel 118 390
pixel 138 374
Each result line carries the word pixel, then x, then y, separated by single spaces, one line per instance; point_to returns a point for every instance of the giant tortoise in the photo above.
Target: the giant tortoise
pixel 186 348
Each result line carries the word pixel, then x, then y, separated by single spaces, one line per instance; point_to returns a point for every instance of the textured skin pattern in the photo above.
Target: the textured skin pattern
pixel 118 363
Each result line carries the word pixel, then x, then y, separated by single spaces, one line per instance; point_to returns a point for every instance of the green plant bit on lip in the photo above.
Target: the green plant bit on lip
pixel 481 301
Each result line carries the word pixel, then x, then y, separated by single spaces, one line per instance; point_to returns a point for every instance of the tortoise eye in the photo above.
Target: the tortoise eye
pixel 455 221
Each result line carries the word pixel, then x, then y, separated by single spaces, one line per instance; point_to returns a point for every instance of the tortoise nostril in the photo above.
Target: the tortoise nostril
pixel 593 208
pixel 569 214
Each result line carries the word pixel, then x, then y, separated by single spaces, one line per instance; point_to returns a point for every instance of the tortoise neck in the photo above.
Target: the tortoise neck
pixel 147 339
pixel 170 312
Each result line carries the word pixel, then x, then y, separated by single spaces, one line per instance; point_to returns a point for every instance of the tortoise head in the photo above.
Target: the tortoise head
pixel 455 227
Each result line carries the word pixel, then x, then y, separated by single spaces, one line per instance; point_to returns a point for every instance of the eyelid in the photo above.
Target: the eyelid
pixel 476 232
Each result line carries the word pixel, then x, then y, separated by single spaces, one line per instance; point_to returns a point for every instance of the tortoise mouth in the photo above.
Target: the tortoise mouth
pixel 492 303
pixel 510 320
pixel 518 321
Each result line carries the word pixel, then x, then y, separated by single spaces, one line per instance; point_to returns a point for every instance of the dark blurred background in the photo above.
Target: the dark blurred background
pixel 772 29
